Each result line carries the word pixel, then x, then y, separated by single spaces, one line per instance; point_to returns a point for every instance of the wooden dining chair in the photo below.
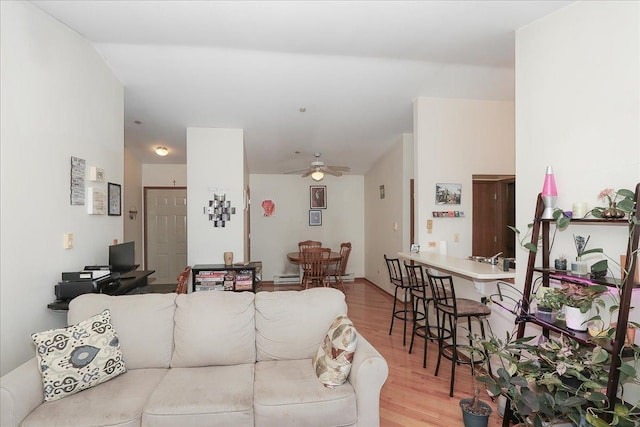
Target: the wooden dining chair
pixel 339 268
pixel 183 281
pixel 315 262
pixel 309 244
pixel 305 245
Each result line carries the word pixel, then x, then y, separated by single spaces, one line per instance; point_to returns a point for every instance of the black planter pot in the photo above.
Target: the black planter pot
pixel 475 420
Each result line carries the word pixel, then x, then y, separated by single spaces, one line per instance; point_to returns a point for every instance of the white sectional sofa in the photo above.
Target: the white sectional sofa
pixel 209 359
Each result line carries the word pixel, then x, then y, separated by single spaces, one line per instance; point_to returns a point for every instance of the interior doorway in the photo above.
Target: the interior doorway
pixel 165 232
pixel 494 209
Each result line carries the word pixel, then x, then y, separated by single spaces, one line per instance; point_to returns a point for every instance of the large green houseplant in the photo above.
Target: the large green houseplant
pixel 560 379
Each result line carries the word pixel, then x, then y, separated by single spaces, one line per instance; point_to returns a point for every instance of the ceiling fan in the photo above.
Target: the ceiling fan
pixel 317 169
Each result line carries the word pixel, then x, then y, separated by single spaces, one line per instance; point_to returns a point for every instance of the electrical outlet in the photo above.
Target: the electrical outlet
pixel 456 237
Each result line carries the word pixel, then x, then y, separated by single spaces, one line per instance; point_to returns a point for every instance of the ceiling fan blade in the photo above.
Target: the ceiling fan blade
pixel 332 172
pixel 296 172
pixel 339 168
pixel 308 172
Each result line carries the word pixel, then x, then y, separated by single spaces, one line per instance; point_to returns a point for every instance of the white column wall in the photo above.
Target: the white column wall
pixel 216 164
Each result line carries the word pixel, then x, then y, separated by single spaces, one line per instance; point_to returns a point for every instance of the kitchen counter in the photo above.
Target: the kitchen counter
pixel 473 270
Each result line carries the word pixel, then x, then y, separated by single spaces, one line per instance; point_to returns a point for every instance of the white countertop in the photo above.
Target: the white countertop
pixel 460 266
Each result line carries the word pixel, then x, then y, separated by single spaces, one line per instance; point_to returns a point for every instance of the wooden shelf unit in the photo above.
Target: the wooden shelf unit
pixel 614 346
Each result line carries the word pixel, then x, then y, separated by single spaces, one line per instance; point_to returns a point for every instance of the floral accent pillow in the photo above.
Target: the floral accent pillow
pixel 332 361
pixel 79 356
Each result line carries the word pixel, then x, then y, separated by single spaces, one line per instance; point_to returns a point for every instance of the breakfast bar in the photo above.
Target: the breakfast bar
pixel 474 280
pixel 467 268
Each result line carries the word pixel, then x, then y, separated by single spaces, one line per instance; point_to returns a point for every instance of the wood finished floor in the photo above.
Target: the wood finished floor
pixel 412 395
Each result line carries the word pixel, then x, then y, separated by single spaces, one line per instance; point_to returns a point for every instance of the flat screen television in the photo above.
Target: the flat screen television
pixel 122 257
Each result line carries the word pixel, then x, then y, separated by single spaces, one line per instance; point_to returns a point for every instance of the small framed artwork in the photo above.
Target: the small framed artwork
pixel 114 194
pixel 448 194
pixel 315 217
pixel 318 196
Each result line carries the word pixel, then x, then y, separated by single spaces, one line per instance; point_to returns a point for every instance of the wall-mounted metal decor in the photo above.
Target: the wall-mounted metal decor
pixel 219 210
pixel 77 180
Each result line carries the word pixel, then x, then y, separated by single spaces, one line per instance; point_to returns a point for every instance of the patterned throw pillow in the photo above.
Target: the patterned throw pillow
pixel 79 356
pixel 332 361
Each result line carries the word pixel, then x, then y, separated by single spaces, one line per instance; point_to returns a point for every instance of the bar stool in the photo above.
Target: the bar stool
pixel 422 297
pixel 399 281
pixel 449 308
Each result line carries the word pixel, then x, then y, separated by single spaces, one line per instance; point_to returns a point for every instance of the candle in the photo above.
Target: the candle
pixel 579 210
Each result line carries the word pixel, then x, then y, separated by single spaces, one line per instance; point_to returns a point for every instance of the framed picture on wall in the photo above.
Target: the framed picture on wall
pixel 448 194
pixel 114 194
pixel 315 217
pixel 318 196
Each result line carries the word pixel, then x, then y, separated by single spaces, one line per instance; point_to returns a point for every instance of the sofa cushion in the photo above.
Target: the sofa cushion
pixel 288 393
pixel 208 396
pixel 118 402
pixel 332 362
pixel 214 328
pixel 292 324
pixel 146 318
pixel 78 357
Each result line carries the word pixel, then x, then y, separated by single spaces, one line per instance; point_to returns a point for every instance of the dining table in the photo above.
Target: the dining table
pixel 296 258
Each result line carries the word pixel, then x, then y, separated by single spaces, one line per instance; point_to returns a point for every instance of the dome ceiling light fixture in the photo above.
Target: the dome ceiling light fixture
pixel 318 175
pixel 162 151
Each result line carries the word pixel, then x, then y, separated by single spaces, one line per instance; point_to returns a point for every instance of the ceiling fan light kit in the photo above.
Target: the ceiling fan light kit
pixel 317 170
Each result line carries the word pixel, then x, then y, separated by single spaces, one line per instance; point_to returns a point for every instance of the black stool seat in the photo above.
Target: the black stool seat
pixel 421 297
pixel 405 313
pixel 449 310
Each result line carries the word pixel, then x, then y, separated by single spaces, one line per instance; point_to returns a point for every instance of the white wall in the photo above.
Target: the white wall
pixel 578 96
pixel 132 188
pixel 273 237
pixel 58 99
pixel 164 175
pixel 394 171
pixel 216 165
pixel 454 139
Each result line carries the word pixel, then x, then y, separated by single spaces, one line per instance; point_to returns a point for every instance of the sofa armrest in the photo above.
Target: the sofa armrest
pixel 21 391
pixel 368 373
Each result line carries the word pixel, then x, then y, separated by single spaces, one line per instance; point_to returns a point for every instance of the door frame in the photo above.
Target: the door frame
pixel 144 214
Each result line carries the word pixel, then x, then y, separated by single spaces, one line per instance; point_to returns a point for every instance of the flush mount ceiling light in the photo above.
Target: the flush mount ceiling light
pixel 162 151
pixel 317 175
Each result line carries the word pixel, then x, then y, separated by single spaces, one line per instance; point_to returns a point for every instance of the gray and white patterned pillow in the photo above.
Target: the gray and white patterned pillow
pixel 79 356
pixel 332 361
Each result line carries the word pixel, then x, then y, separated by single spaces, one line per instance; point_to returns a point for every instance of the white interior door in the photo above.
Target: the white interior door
pixel 166 232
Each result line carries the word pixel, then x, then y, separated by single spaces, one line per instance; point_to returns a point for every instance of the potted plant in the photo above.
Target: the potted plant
pixel 550 301
pixel 560 263
pixel 475 412
pixel 578 301
pixel 548 383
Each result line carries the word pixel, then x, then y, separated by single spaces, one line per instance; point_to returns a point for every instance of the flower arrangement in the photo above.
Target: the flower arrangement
pixel 619 202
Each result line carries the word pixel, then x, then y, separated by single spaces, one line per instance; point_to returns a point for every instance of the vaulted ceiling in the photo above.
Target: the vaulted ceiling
pixel 354 67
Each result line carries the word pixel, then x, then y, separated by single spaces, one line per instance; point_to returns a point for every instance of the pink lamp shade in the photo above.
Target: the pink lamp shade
pixel 549 187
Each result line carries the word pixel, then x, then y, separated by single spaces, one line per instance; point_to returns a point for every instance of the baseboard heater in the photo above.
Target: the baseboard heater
pixel 286 279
